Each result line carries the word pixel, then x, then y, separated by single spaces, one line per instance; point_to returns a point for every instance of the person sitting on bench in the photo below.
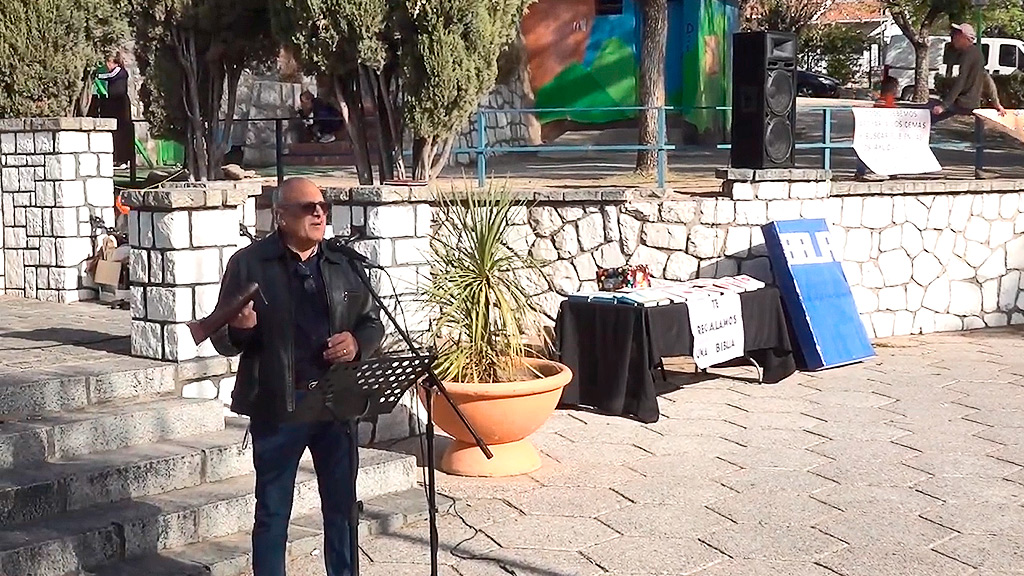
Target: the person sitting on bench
pixel 971 83
pixel 321 118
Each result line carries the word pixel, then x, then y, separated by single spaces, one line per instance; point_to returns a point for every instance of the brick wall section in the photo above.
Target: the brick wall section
pixel 55 175
pixel 182 236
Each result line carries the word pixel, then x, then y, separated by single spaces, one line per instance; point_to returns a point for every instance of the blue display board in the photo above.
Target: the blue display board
pixel 819 305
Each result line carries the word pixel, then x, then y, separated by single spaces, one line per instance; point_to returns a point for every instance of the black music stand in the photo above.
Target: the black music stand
pixel 369 388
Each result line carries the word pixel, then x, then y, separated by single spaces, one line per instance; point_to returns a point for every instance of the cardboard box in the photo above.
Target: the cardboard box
pixel 108 273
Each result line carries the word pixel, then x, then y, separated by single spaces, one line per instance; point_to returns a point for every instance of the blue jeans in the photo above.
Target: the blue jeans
pixel 276 450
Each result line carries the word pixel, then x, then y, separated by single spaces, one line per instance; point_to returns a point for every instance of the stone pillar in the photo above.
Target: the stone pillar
pixel 181 235
pixel 393 225
pixel 55 175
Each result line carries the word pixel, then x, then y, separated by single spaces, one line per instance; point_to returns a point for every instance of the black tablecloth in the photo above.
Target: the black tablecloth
pixel 614 349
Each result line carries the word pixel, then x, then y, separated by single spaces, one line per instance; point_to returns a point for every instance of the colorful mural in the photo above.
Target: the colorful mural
pixel 581 56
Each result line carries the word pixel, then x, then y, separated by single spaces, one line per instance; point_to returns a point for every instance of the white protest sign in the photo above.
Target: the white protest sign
pixel 894 140
pixel 717 327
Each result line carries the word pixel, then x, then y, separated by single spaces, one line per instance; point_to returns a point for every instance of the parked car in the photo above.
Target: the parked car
pixel 816 85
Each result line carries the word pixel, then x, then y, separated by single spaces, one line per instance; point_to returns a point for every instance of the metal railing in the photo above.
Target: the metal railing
pixel 483 148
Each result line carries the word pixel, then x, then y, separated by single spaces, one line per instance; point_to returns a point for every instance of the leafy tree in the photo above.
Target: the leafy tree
pixel 781 15
pixel 193 53
pixel 48 49
pixel 916 18
pixel 652 80
pixel 450 56
pixel 839 47
pixel 352 45
pixel 414 64
pixel 1005 18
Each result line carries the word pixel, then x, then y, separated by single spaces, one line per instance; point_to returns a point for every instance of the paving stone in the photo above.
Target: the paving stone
pixel 665 521
pixel 997 554
pixel 596 453
pixel 939 442
pixel 771 404
pixel 866 473
pixel 530 563
pixel 1000 418
pixel 479 488
pixel 481 513
pixel 677 467
pixel 851 398
pixel 560 420
pixel 668 490
pixel 692 446
pixel 789 388
pixel 866 451
pixel 765 568
pixel 635 555
pixel 779 458
pixel 890 499
pixel 928 411
pixel 858 431
pixel 1014 454
pixel 773 543
pixel 609 433
pixel 549 532
pixel 979 518
pixel 845 414
pixel 775 438
pixel 558 474
pixel 874 561
pixel 401 569
pixel 773 479
pixel 698 411
pixel 774 507
pixel 888 530
pixel 677 427
pixel 962 465
pixel 766 420
pixel 569 501
pixel 1005 436
pixel 411 543
pixel 968 489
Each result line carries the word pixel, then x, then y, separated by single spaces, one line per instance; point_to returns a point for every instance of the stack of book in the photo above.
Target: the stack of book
pixel 666 292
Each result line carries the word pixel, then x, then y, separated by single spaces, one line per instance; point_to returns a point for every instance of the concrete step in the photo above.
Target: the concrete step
pixel 27 439
pixel 35 391
pixel 231 555
pixel 95 536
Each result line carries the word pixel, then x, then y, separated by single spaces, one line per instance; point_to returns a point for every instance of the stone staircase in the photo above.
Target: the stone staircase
pixel 115 474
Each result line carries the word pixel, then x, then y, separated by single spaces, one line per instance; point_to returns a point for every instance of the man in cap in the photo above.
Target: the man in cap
pixel 971 83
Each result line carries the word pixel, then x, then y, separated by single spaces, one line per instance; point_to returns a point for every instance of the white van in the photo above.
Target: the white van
pixel 1002 56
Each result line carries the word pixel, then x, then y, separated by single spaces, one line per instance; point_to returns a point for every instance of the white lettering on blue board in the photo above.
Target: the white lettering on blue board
pixel 801 248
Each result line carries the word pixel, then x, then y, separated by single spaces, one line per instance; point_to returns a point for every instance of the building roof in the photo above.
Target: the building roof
pixel 851 12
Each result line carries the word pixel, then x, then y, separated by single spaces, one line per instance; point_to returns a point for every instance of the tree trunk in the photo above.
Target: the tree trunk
pixel 233 76
pixel 652 80
pixel 921 70
pixel 350 97
pixel 186 54
pixel 384 141
pixel 441 160
pixel 422 154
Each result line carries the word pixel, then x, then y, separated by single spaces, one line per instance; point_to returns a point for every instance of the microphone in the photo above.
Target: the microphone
pixel 353 254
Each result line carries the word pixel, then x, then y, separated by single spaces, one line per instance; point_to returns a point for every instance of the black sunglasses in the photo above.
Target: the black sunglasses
pixel 308 208
pixel 307 277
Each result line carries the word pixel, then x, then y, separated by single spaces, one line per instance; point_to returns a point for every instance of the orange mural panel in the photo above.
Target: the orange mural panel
pixel 555 33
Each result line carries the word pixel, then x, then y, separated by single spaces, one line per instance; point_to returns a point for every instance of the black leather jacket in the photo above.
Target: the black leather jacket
pixel 265 384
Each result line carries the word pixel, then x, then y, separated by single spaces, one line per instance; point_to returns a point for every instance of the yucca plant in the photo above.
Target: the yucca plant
pixel 481 310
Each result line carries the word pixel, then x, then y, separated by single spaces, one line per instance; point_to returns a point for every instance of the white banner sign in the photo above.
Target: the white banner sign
pixel 717 326
pixel 894 140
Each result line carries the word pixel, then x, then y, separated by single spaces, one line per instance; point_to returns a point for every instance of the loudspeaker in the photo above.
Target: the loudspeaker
pixel 763 99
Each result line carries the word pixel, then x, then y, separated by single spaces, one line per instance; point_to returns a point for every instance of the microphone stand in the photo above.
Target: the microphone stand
pixel 432 382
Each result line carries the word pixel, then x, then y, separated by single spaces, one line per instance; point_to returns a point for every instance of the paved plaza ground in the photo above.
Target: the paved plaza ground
pixel 909 464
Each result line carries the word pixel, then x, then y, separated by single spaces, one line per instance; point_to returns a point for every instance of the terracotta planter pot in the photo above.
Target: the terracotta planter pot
pixel 503 414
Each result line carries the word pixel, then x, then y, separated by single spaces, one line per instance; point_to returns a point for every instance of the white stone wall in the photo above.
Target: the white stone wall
pixel 55 175
pixel 915 263
pixel 502 128
pixel 182 236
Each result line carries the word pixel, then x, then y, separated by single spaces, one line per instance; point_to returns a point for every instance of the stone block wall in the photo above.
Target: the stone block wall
pixel 503 128
pixel 182 236
pixel 920 257
pixel 56 174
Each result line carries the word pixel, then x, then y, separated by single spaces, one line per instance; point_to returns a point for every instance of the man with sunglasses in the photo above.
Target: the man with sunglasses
pixel 316 313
